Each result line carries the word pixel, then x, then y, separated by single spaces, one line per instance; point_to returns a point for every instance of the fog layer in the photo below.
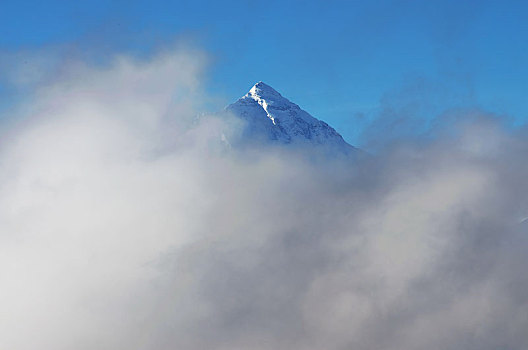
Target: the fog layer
pixel 127 223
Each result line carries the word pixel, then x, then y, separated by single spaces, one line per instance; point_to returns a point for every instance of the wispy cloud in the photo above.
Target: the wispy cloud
pixel 124 224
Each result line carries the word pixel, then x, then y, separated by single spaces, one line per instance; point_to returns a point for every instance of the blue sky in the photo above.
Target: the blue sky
pixel 343 61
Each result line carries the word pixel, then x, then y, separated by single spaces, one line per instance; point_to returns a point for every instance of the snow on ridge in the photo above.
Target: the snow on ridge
pixel 256 93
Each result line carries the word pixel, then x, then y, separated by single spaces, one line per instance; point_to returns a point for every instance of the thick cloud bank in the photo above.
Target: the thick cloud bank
pixel 125 224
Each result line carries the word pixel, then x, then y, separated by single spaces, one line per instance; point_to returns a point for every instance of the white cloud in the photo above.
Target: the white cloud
pixel 123 225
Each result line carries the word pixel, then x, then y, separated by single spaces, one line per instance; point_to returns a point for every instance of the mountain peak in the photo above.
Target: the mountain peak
pixel 270 116
pixel 263 89
pixel 266 95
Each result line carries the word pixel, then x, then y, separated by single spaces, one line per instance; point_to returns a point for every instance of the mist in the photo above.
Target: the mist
pixel 127 223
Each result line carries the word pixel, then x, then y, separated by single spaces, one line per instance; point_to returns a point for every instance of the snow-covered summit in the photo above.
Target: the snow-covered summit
pixel 263 90
pixel 271 117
